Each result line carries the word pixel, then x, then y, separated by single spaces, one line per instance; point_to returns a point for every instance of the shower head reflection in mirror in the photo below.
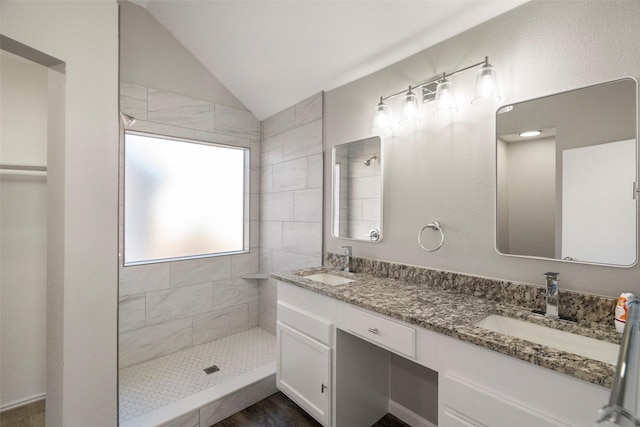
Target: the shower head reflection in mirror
pixel 357 190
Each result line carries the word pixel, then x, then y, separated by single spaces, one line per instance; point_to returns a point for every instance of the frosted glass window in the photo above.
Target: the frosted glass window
pixel 182 199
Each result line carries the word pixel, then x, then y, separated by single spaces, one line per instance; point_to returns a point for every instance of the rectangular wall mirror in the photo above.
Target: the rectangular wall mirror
pixel 566 174
pixel 357 190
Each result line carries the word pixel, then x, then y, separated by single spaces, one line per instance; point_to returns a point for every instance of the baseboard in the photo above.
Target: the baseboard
pixel 22 402
pixel 408 416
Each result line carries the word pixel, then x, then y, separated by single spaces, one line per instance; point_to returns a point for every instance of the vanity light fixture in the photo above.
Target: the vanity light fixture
pixel 486 83
pixel 381 119
pixel 410 107
pixel 530 133
pixel 439 90
pixel 445 97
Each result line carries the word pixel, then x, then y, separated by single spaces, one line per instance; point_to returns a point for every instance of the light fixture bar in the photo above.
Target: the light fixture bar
pixel 437 80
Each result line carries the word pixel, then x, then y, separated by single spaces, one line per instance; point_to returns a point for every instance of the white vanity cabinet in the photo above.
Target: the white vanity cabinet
pixel 304 359
pixel 322 341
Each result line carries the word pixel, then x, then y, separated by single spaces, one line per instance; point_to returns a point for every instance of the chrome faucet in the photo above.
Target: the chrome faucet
pixel 552 295
pixel 347 255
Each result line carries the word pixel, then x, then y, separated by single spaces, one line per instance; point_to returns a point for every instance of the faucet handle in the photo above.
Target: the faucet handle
pixel 551 275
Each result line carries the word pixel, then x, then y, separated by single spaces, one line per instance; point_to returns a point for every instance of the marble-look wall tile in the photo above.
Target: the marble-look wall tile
pixel 266 179
pixel 308 205
pixel 265 260
pixel 201 270
pixel 290 175
pixel 254 314
pixel 314 261
pixel 155 341
pixel 315 171
pixel 303 141
pixel 268 317
pixel 232 121
pixel 138 279
pixel 243 264
pixel 254 184
pixel 133 100
pixel 272 150
pixel 309 110
pixel 227 293
pixel 371 209
pixel 302 237
pixel 131 313
pixel 254 233
pixel 254 212
pixel 365 188
pixel 277 206
pixel 172 108
pixel 178 303
pixel 235 402
pixel 219 138
pixel 271 234
pixel 287 261
pixel 162 129
pixel 220 323
pixel 255 154
pixel 278 123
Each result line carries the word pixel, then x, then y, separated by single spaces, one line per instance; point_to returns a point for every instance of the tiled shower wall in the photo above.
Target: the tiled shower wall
pixel 291 196
pixel 363 189
pixel 166 307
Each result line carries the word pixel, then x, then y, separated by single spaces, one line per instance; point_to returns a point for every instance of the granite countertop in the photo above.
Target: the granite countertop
pixel 455 314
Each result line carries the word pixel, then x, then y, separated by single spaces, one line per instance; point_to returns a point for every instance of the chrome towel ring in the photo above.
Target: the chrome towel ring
pixel 435 225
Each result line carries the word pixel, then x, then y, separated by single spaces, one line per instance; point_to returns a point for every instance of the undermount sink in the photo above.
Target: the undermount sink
pixel 328 279
pixel 560 340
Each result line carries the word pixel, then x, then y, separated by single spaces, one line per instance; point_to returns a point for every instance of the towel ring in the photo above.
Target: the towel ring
pixel 435 225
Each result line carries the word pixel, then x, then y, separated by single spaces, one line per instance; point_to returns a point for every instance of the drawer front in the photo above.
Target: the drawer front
pixel 389 334
pixel 310 325
pixel 464 402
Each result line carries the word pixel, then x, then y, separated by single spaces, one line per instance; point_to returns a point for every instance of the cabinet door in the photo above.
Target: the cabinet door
pixel 304 372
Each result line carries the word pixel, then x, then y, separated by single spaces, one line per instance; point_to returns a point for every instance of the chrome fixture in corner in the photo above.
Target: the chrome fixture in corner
pixel 439 90
pixel 127 119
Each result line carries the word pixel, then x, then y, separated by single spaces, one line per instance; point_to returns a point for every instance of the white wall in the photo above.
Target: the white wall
pixel 82 202
pixel 23 222
pixel 445 168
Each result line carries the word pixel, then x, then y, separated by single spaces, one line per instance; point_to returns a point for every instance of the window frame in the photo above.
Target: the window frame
pixel 246 199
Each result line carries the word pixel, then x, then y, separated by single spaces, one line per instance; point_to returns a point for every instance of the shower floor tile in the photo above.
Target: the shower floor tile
pixel 151 385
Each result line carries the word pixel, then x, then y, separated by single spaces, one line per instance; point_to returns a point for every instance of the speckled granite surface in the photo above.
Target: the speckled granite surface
pixel 451 304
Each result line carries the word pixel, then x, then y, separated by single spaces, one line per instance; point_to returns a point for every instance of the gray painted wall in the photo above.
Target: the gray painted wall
pixel 445 168
pixel 151 56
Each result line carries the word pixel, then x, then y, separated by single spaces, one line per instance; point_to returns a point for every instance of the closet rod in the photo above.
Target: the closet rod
pixel 23 168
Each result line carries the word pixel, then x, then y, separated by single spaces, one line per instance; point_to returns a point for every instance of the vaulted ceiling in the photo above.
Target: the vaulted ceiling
pixel 272 54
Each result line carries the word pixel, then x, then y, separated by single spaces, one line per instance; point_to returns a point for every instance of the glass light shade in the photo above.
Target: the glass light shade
pixel 381 119
pixel 486 85
pixel 410 108
pixel 445 98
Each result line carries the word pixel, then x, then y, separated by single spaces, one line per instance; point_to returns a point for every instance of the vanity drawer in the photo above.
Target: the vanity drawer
pixel 310 325
pixel 389 334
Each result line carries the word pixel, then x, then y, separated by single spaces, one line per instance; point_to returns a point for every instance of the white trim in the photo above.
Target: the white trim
pixel 408 416
pixel 22 402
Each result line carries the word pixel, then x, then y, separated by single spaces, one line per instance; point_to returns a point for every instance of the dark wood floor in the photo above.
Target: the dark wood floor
pixel 31 415
pixel 278 410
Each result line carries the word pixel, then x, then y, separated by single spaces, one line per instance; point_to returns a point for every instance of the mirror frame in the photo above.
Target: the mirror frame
pixel 636 187
pixel 333 190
